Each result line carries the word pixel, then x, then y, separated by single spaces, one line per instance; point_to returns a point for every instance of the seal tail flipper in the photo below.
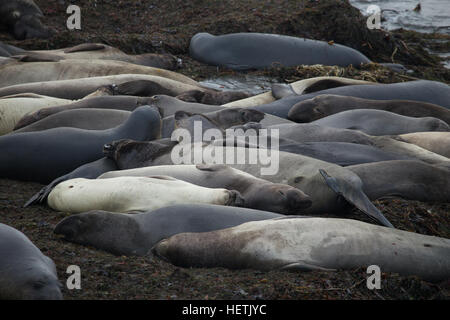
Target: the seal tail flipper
pixel 356 198
pixel 304 266
pixel 42 194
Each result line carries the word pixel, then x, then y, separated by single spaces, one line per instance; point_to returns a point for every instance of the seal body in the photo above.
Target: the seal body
pixel 257 193
pixel 434 92
pixel 328 104
pixel 25 273
pixel 136 234
pixel 89 119
pixel 13 108
pixel 437 142
pixel 408 179
pixel 380 122
pixel 26 72
pixel 311 244
pixel 91 51
pixel 79 88
pixel 125 194
pixel 244 51
pixel 45 155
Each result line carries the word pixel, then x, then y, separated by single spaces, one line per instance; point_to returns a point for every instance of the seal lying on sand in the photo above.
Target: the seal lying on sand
pixel 92 51
pixel 22 18
pixel 311 244
pixel 380 123
pixel 45 155
pixel 126 194
pixel 123 103
pixel 420 90
pixel 245 51
pixel 136 234
pixel 257 193
pixel 296 88
pixel 27 72
pixel 79 88
pixel 327 104
pixel 25 273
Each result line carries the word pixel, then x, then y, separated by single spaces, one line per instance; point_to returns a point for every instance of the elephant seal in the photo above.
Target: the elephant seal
pixel 145 88
pixel 93 51
pixel 170 105
pixel 340 153
pixel 124 103
pixel 22 18
pixel 27 72
pixel 327 184
pixel 246 51
pixel 437 142
pixel 79 88
pixel 328 104
pixel 45 155
pixel 311 244
pixel 257 193
pixel 25 273
pixel 408 179
pixel 127 194
pixel 304 86
pixel 419 90
pixel 89 119
pixel 135 234
pixel 381 123
pixel 13 108
pixel 307 132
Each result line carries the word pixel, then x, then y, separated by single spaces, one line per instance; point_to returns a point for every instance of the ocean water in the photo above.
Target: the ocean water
pixel 434 15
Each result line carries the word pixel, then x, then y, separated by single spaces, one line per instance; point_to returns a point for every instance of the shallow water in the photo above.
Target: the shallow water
pixel 434 15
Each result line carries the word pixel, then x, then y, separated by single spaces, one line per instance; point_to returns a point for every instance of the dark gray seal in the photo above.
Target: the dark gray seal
pixel 45 155
pixel 136 234
pixel 380 122
pixel 244 51
pixel 420 90
pixel 25 273
pixel 22 18
pixel 327 104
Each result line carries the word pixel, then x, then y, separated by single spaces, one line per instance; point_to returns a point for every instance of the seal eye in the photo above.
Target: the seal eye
pixel 317 110
pixel 298 179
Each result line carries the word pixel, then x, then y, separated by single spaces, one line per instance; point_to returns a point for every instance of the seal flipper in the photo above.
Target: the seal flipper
pixel 280 91
pixel 303 266
pixel 85 47
pixel 42 194
pixel 356 198
pixel 37 57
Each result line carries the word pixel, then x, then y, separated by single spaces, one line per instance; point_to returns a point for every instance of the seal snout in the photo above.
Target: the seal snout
pixel 235 199
pixel 68 227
